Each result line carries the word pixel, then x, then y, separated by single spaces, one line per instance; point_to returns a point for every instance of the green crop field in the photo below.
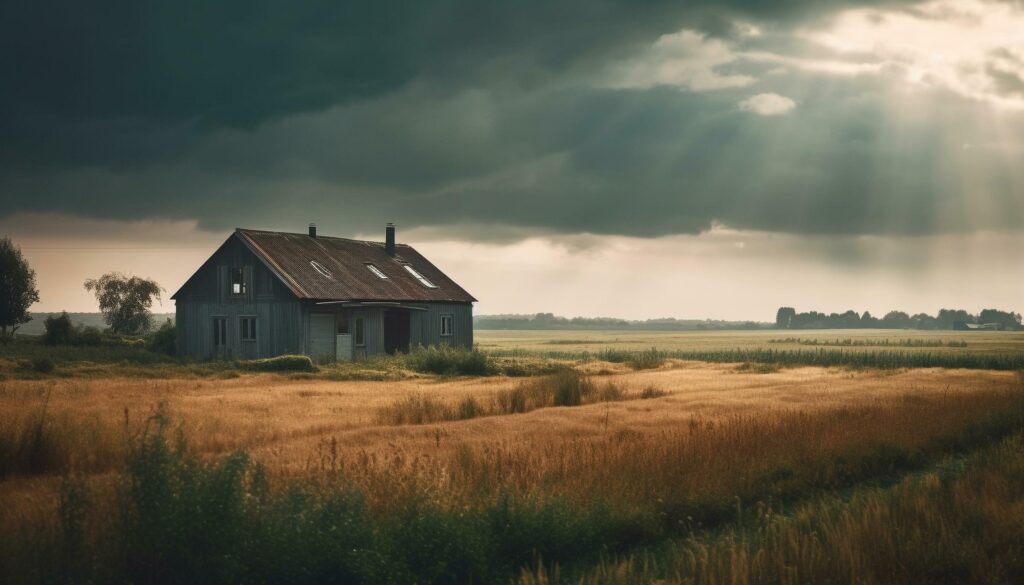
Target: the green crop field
pixel 982 342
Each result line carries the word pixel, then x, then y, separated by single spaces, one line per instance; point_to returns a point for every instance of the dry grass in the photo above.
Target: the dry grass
pixel 961 525
pixel 665 466
pixel 567 387
pixel 282 421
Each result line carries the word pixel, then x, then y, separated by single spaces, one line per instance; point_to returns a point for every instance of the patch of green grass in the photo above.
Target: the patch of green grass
pixel 281 363
pixel 446 360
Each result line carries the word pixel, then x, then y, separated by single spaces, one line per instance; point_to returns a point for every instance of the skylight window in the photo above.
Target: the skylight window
pixel 376 271
pixel 423 279
pixel 320 268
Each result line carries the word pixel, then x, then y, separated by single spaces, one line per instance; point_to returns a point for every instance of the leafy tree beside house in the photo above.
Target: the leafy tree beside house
pixel 17 288
pixel 125 301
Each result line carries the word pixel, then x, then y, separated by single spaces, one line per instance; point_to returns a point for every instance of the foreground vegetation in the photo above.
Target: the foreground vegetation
pixel 484 513
pixel 959 523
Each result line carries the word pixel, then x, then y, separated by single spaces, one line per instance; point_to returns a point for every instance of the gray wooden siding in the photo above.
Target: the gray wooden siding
pixel 278 327
pixel 278 314
pixel 425 326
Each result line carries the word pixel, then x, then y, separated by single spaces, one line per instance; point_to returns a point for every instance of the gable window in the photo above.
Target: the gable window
pixel 247 328
pixel 447 322
pixel 238 285
pixel 376 271
pixel 320 268
pixel 423 279
pixel 220 331
pixel 360 332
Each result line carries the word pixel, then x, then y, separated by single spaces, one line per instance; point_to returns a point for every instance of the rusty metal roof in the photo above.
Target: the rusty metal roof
pixel 343 274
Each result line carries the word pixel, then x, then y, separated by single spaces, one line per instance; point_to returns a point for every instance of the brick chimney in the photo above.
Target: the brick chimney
pixel 312 230
pixel 389 239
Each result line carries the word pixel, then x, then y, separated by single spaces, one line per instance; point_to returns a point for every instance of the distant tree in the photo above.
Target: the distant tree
pixel 784 316
pixel 1008 319
pixel 867 321
pixel 17 288
pixel 125 301
pixel 924 321
pixel 848 320
pixel 947 317
pixel 897 320
pixel 59 329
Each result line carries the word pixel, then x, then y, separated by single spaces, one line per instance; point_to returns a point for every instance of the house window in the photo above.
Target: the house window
pixel 247 328
pixel 447 322
pixel 321 269
pixel 342 325
pixel 360 332
pixel 238 286
pixel 220 331
pixel 376 271
pixel 423 279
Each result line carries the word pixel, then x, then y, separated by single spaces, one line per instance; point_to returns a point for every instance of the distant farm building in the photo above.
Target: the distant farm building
pixel 963 326
pixel 263 294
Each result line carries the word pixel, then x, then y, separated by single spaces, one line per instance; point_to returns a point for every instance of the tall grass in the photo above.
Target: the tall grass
pixel 450 361
pixel 566 387
pixel 43 443
pixel 883 342
pixel 483 512
pixel 882 359
pixel 962 524
pixel 638 360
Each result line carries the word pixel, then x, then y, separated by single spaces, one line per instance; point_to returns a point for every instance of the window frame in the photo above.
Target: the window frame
pixel 241 329
pixel 359 331
pixel 450 319
pixel 219 333
pixel 243 286
pixel 376 270
pixel 321 269
pixel 418 276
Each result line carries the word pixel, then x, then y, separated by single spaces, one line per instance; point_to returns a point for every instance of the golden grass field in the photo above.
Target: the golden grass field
pixel 622 449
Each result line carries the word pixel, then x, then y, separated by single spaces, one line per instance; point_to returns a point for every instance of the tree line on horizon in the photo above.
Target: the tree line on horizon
pixel 550 321
pixel 788 318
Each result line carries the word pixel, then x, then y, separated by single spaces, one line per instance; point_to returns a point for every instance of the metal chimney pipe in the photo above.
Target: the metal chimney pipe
pixel 312 230
pixel 389 239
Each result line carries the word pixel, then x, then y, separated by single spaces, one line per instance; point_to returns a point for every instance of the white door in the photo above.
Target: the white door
pixel 344 345
pixel 321 336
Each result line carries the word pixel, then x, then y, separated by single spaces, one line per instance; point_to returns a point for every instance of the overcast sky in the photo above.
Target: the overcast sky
pixel 584 157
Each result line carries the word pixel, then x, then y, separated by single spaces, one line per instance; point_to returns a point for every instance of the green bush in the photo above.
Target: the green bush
pixel 281 363
pixel 59 329
pixel 43 365
pixel 446 360
pixel 646 360
pixel 88 336
pixel 164 339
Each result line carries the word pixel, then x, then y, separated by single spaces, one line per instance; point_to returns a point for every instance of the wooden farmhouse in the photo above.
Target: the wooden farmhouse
pixel 263 294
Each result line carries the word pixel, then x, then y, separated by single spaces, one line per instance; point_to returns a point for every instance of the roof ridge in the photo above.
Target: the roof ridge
pixel 318 236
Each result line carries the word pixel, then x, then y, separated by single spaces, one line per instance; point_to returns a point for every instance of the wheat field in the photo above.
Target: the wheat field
pixel 671 452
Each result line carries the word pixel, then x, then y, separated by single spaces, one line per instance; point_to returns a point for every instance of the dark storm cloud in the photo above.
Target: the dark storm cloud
pixel 240 62
pixel 637 162
pixel 448 113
